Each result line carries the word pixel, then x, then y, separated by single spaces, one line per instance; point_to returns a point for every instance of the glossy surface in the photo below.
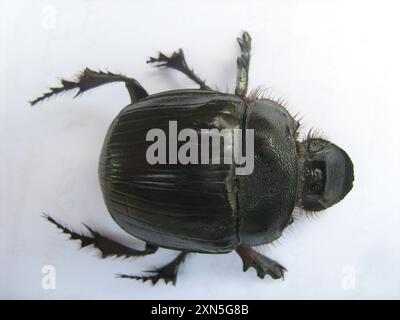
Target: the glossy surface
pixel 188 207
pixel 267 197
pixel 200 208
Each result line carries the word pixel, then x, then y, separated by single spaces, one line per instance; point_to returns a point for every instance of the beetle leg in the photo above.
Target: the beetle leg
pixel 243 63
pixel 89 79
pixel 106 246
pixel 261 263
pixel 177 61
pixel 168 272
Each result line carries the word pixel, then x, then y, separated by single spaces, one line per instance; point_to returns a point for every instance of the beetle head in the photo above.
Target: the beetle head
pixel 328 174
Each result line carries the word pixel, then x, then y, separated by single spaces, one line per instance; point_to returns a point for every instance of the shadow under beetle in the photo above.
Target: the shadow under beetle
pixel 207 208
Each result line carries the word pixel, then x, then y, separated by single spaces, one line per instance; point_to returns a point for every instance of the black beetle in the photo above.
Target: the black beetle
pixel 208 208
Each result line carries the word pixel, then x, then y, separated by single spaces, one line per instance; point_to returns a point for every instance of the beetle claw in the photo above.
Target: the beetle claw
pixel 178 62
pixel 153 278
pixel 262 264
pixel 107 247
pixel 168 272
pixel 89 79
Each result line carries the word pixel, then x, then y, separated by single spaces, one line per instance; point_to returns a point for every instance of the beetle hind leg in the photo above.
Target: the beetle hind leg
pixel 89 79
pixel 261 263
pixel 168 272
pixel 177 61
pixel 106 246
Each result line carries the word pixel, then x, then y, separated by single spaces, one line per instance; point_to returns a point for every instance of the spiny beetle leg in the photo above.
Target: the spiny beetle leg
pixel 243 64
pixel 261 263
pixel 168 272
pixel 106 246
pixel 89 79
pixel 177 61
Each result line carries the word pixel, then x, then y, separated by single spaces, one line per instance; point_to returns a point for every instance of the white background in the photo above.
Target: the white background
pixel 336 62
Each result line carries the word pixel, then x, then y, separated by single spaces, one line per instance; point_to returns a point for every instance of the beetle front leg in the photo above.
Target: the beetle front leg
pixel 177 61
pixel 106 246
pixel 243 64
pixel 168 272
pixel 261 263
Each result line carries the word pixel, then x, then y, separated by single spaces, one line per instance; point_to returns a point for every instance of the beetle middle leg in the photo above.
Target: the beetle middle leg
pixel 177 61
pixel 243 64
pixel 168 272
pixel 106 246
pixel 261 263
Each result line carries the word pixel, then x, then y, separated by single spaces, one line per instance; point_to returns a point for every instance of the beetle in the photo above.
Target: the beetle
pixel 207 208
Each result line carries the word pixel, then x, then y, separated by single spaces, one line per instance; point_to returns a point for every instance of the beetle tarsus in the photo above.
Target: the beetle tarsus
pixel 106 246
pixel 178 62
pixel 243 64
pixel 262 264
pixel 89 79
pixel 168 272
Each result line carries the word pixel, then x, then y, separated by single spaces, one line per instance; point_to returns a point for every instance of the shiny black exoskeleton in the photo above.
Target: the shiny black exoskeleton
pixel 208 208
